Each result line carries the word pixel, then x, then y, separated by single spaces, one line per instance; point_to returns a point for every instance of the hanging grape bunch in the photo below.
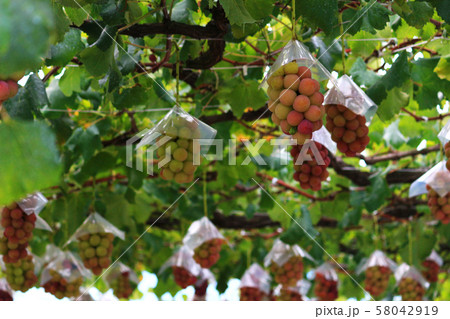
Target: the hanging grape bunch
pixel 289 273
pixel 295 101
pixel 179 149
pixel 95 242
pixel 183 277
pixel 20 275
pixel 325 290
pixel 206 241
pixel 377 280
pixel 60 287
pixel 439 206
pixel 252 294
pixel 431 270
pixel 287 294
pixel 122 285
pixel 310 174
pixel 18 225
pixel 208 253
pixel 410 289
pixel 348 129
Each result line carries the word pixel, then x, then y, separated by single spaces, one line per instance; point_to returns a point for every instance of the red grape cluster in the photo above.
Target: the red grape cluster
pixel 18 231
pixel 325 289
pixel 60 287
pixel 183 277
pixel 208 253
pixel 447 154
pixel 8 89
pixel 439 206
pixel 289 295
pixel 95 250
pixel 347 129
pixel 431 270
pixel 311 173
pixel 295 101
pixel 122 286
pixel 289 273
pixel 179 149
pixel 410 290
pixel 20 275
pixel 252 294
pixel 377 280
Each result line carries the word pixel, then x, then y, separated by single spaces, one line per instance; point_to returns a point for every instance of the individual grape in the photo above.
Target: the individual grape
pixel 377 280
pixel 252 294
pixel 8 89
pixel 347 129
pixel 208 253
pixel 325 289
pixel 311 173
pixel 289 273
pixel 20 275
pixel 410 290
pixel 58 286
pixel 183 277
pixel 95 250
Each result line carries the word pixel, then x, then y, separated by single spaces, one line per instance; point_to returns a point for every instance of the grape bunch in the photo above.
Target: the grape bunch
pixel 431 270
pixel 18 225
pixel 183 277
pixel 289 295
pixel 208 253
pixel 20 275
pixel 439 206
pixel 311 173
pixel 252 294
pixel 289 273
pixel 348 129
pixel 5 296
pixel 324 289
pixel 95 250
pixel 179 149
pixel 60 287
pixel 295 101
pixel 410 290
pixel 377 280
pixel 8 89
pixel 12 252
pixel 447 154
pixel 122 286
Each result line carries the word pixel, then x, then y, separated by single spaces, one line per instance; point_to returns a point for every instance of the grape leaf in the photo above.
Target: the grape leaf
pixel 236 12
pixel 322 14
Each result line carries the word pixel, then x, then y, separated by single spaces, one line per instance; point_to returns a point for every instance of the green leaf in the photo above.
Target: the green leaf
pixel 36 89
pixel 62 52
pixel 442 69
pixel 236 12
pixel 96 61
pixel 322 14
pixel 76 15
pixel 395 100
pixel 71 81
pixel 361 74
pixel 362 47
pixel 29 160
pixel 132 97
pixel 26 28
pixel 377 15
pixel 299 229
pixel 378 192
pixel 419 14
pixel 259 9
pixel 84 142
pixel 182 11
pixel 442 7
